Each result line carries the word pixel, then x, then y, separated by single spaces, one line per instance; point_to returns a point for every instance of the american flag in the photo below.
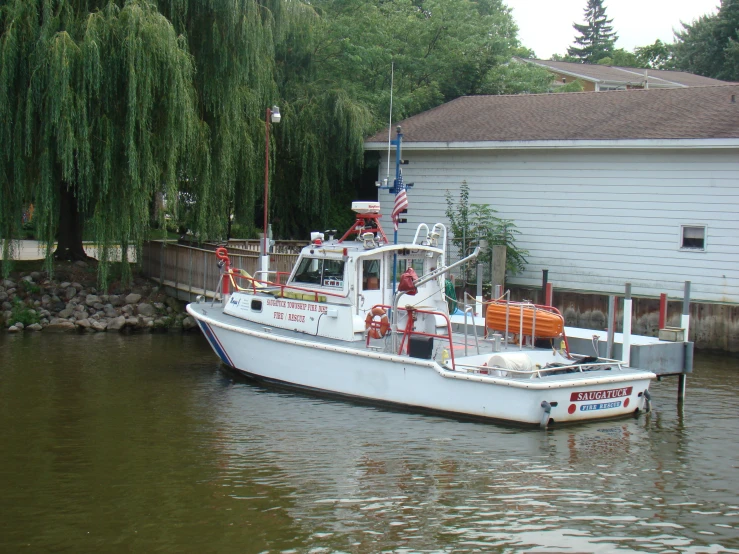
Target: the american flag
pixel 401 203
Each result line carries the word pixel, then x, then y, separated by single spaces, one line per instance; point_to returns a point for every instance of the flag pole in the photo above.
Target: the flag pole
pixel 396 188
pixel 390 125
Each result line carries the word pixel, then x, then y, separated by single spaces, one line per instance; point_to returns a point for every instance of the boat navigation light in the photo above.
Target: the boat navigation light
pixel 316 238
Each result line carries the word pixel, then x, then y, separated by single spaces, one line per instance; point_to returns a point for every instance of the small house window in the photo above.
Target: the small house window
pixel 693 237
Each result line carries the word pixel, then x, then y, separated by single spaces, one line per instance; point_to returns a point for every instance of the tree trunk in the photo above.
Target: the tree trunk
pixel 69 243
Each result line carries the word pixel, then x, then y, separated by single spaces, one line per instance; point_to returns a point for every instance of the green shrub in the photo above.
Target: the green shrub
pixel 30 288
pixel 22 313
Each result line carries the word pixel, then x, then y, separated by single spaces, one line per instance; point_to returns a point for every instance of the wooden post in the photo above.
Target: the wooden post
pixel 662 310
pixel 611 327
pixel 176 270
pixel 161 265
pixel 189 276
pixel 544 282
pixel 499 260
pixel 205 274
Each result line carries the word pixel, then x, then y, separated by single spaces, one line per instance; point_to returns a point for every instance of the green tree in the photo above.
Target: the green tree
pixel 596 37
pixel 108 104
pixel 656 56
pixel 471 223
pixel 621 58
pixel 97 112
pixel 710 45
pixel 572 86
pixel 440 49
pixel 565 58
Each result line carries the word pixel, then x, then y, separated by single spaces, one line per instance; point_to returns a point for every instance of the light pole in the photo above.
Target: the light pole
pixel 273 116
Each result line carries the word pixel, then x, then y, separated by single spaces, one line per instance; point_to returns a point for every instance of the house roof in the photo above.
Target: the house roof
pixel 626 75
pixel 678 113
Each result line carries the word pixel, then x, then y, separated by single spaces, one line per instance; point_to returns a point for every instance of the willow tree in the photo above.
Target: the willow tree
pixel 97 114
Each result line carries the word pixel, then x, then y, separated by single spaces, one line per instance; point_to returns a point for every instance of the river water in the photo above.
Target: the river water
pixel 114 443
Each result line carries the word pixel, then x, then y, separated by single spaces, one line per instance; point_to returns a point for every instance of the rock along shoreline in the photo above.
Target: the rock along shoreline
pixel 34 302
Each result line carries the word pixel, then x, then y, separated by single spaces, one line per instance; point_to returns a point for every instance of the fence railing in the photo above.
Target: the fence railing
pixel 193 270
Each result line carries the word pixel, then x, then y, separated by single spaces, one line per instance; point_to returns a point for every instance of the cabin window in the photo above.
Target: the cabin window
pixel 322 272
pixel 371 275
pixel 404 263
pixel 256 305
pixel 333 273
pixel 693 237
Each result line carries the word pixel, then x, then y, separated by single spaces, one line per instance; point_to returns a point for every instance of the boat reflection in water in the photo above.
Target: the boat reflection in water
pixel 359 478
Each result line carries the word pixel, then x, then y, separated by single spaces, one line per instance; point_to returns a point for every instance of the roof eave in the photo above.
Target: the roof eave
pixel 577 144
pixel 569 73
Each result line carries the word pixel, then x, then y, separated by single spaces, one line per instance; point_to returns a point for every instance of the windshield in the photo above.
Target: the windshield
pixel 322 272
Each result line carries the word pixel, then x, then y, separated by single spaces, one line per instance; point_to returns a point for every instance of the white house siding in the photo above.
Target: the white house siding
pixel 596 219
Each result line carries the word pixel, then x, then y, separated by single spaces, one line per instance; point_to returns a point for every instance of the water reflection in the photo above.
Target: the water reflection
pixel 394 480
pixel 143 443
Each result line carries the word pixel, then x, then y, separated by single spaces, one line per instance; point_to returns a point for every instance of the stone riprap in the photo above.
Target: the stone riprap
pixel 49 305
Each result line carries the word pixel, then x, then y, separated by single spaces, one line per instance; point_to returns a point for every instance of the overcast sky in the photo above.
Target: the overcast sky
pixel 546 25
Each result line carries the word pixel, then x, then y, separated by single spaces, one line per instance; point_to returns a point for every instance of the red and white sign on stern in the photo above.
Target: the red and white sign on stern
pixel 600 394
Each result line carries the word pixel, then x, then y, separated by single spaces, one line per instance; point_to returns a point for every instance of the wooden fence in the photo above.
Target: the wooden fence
pixel 192 271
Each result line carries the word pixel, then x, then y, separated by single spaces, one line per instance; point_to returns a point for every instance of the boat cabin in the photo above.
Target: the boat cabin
pixel 338 285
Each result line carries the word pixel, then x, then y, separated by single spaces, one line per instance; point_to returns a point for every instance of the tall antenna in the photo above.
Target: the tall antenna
pixel 390 126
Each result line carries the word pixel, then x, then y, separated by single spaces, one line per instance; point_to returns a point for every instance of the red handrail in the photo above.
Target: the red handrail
pixel 282 287
pixel 409 328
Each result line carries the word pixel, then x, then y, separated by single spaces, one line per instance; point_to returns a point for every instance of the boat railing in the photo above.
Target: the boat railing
pixel 229 277
pixel 257 285
pixel 539 371
pixel 471 311
pixel 437 235
pixel 412 312
pixel 281 276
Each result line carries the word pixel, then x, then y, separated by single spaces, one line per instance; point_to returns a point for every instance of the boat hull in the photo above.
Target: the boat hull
pixel 371 376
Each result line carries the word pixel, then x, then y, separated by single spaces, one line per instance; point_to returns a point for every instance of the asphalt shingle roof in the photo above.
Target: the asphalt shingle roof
pixel 680 113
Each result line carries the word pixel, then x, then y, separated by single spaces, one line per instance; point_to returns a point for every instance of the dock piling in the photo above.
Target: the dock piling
pixel 685 320
pixel 611 326
pixel 478 296
pixel 626 349
pixel 662 311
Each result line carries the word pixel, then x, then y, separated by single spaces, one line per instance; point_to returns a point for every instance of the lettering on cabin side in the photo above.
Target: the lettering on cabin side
pixel 296 306
pixel 600 394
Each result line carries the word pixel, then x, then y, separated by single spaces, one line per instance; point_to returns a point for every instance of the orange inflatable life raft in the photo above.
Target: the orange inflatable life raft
pixel 548 325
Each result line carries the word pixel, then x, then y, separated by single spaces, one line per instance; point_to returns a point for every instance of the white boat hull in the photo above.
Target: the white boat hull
pixel 417 383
